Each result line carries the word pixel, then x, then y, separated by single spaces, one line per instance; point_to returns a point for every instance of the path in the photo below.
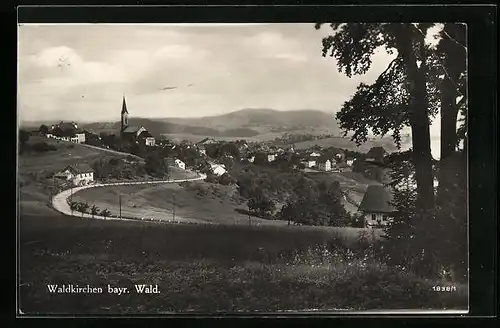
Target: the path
pixel 60 204
pixel 111 151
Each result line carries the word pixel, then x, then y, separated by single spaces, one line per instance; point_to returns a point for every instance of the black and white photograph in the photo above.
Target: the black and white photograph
pixel 212 168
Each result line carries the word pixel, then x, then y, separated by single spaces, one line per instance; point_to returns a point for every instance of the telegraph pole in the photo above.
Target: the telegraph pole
pixel 173 207
pixel 120 201
pixel 249 218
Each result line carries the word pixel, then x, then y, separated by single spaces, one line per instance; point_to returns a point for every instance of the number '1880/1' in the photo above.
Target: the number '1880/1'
pixel 444 288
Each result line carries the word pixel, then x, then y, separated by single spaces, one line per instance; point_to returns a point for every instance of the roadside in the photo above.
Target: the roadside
pixel 60 201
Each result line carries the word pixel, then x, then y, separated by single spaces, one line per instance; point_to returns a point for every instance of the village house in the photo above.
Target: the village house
pixel 202 150
pixel 131 134
pixel 376 207
pixel 207 141
pixel 349 161
pixel 176 163
pixel 309 162
pixel 218 169
pixel 66 131
pixel 324 164
pixel 271 157
pixel 376 154
pixel 315 154
pixel 79 174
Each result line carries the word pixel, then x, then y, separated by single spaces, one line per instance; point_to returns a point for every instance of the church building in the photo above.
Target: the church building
pixel 137 134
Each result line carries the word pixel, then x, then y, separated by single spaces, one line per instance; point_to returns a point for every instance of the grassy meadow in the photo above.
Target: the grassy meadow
pixel 200 268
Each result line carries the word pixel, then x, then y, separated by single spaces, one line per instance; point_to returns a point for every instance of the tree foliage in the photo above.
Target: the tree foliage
pixel 420 81
pixel 156 165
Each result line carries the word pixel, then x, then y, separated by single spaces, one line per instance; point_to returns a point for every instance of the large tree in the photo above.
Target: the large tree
pixel 451 54
pixel 400 96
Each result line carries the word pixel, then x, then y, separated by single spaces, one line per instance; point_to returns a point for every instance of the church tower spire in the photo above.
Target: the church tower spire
pixel 124 116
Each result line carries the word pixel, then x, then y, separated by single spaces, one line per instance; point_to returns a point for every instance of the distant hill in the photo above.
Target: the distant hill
pixel 242 123
pixel 158 127
pixel 265 120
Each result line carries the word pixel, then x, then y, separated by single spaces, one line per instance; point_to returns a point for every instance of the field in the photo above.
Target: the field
pixel 33 169
pixel 218 205
pixel 207 269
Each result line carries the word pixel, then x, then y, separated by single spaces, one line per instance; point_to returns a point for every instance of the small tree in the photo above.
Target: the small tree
pixel 94 210
pixel 261 204
pixel 83 207
pixel 73 206
pixel 105 213
pixel 43 129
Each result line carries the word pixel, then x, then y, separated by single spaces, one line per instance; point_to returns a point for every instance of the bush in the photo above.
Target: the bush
pixel 43 147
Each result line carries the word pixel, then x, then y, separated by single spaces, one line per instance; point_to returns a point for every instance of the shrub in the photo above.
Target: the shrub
pixel 43 147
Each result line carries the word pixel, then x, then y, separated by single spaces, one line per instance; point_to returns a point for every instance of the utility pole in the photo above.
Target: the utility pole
pixel 249 218
pixel 173 207
pixel 120 201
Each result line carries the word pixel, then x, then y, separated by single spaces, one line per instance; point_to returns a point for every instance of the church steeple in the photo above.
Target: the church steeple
pixel 124 106
pixel 124 116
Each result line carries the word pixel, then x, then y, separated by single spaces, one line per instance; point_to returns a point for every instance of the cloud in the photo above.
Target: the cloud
pixel 274 45
pixel 66 68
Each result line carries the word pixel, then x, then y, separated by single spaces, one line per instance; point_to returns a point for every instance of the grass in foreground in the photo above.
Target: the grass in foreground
pixel 208 269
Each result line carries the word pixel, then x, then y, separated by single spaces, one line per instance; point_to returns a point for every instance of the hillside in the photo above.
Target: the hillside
pixel 160 126
pixel 243 123
pixel 265 120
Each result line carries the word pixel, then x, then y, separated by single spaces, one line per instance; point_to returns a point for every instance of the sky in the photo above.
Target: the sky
pixel 81 72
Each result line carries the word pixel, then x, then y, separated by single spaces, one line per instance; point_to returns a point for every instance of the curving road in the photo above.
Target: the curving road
pixel 60 204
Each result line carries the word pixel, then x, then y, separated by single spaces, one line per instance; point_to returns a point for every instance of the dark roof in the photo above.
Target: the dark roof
pixel 145 134
pixel 323 158
pixel 66 126
pixel 132 129
pixel 376 152
pixel 80 168
pixel 377 199
pixel 124 106
pixel 204 141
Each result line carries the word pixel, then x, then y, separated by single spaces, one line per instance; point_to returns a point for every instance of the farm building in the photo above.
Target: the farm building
pixel 376 154
pixel 218 169
pixel 271 157
pixel 176 162
pixel 67 132
pixel 324 164
pixel 206 141
pixel 309 162
pixel 376 207
pixel 80 174
pixel 202 150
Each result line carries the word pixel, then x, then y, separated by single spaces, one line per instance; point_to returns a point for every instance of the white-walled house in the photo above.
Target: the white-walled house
pixel 376 207
pixel 218 169
pixel 324 165
pixel 271 157
pixel 350 161
pixel 180 164
pixel 315 154
pixel 79 174
pixel 149 141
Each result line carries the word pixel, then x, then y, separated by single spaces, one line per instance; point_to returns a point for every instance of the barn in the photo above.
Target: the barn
pixel 376 206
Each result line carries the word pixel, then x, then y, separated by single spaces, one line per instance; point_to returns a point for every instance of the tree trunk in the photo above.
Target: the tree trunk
pixel 454 63
pixel 419 120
